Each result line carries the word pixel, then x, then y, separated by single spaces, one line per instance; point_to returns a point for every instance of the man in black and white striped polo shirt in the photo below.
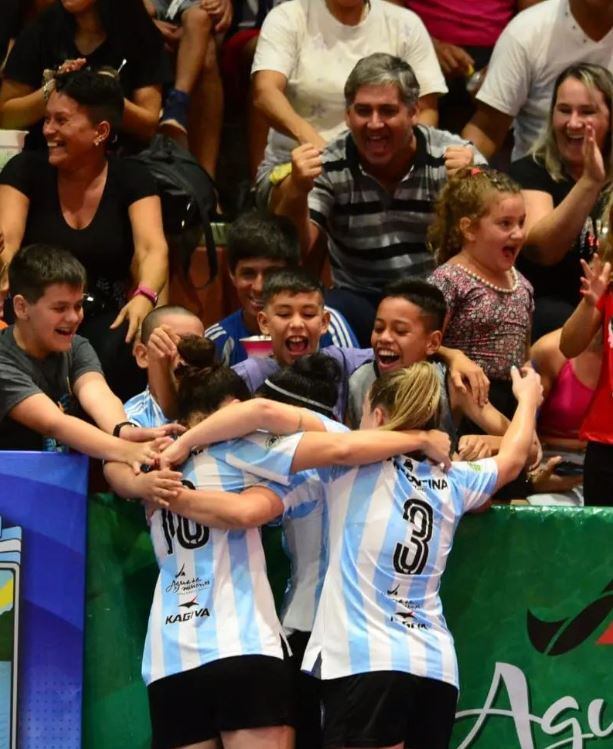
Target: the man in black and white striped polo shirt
pixel 371 192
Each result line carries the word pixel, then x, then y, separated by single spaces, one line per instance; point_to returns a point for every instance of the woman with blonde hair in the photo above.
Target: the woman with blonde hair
pixel 565 182
pixel 380 643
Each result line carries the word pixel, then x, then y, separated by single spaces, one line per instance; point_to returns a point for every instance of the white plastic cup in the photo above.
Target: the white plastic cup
pixel 11 143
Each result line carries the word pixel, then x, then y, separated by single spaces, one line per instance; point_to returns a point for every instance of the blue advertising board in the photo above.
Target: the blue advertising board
pixel 43 507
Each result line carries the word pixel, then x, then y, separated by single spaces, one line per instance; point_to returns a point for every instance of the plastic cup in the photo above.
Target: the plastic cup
pixel 257 345
pixel 11 143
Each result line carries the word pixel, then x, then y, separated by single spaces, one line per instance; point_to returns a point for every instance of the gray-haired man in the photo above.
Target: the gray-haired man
pixel 371 192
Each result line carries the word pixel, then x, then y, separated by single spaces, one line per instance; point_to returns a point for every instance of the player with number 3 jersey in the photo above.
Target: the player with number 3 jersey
pixel 380 643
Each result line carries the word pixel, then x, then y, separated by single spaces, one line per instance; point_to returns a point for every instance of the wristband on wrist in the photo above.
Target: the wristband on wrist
pixel 48 89
pixel 118 427
pixel 147 292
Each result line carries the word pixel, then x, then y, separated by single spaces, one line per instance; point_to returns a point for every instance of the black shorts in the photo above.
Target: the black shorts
pixel 308 697
pixel 384 708
pixel 247 691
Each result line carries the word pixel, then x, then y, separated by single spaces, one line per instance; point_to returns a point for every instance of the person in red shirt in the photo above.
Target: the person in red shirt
pixel 596 309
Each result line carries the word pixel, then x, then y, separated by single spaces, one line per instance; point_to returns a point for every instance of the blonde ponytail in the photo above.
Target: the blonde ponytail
pixel 410 397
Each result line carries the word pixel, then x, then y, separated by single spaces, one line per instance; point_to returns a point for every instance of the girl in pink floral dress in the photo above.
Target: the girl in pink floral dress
pixel 477 235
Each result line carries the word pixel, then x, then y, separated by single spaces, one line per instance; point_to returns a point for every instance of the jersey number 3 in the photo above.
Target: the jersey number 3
pixel 411 559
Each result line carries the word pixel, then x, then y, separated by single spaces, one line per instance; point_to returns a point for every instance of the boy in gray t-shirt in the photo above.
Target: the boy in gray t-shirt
pixel 48 373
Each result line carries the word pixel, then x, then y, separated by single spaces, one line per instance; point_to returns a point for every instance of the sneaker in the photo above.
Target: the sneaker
pixel 174 115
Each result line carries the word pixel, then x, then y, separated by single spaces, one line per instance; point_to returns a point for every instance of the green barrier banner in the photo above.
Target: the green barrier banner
pixel 121 577
pixel 528 595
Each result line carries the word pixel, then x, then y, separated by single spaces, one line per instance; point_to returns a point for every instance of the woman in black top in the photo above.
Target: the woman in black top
pixel 104 210
pixel 565 183
pixel 74 33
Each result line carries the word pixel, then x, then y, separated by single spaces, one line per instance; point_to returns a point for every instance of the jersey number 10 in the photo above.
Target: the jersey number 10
pixel 189 534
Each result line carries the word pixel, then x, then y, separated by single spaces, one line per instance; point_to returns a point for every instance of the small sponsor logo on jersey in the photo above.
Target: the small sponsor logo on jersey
pixel 271 441
pixel 476 467
pixel 195 612
pixel 436 484
pixel 439 483
pixel 189 604
pixel 185 586
pixel 406 616
pixel 407 619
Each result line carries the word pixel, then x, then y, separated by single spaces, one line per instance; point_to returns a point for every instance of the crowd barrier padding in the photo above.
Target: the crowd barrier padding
pixel 43 503
pixel 528 595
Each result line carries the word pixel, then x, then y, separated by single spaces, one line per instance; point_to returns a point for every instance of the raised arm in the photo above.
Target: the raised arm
pixel 20 105
pixel 367 446
pixel 487 129
pixel 517 442
pixel 239 419
pixel 354 448
pixel 258 505
pixel 14 206
pixel 582 325
pixel 269 97
pixel 291 198
pixel 552 232
pixel 141 114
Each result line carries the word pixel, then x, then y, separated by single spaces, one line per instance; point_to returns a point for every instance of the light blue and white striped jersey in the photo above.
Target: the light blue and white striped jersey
pixel 144 410
pixel 391 528
pixel 304 526
pixel 305 543
pixel 212 599
pixel 305 532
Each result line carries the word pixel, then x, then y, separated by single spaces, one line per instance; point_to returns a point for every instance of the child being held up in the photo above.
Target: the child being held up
pixel 477 235
pixel 49 374
pixel 258 243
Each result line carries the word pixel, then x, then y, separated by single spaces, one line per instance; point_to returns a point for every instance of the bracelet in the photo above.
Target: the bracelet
pixel 48 89
pixel 118 427
pixel 147 292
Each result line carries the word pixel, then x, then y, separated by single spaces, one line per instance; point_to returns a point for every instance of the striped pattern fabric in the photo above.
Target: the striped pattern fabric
pixel 212 599
pixel 390 530
pixel 144 410
pixel 375 237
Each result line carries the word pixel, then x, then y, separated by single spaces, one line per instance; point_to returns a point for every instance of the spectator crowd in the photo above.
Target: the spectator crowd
pixel 424 316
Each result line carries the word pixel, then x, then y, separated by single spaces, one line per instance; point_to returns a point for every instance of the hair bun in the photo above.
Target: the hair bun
pixel 197 351
pixel 199 356
pixel 318 367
